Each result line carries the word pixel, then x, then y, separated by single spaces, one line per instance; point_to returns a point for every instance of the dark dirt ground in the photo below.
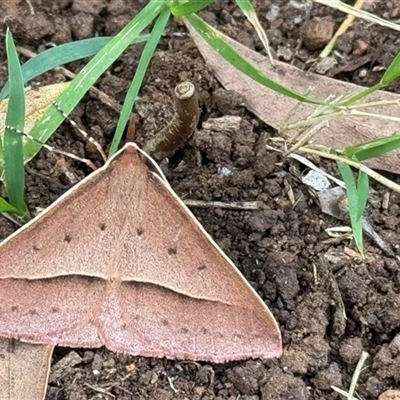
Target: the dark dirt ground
pixel 277 247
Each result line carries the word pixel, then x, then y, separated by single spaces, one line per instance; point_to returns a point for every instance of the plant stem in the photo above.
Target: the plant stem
pixel 361 167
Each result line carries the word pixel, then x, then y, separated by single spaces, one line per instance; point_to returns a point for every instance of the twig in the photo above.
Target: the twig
pixel 354 379
pixel 312 166
pixel 358 13
pixel 171 384
pixel 99 390
pixel 381 179
pixel 342 29
pixel 234 205
pixel 86 161
pixel 103 97
pixel 31 9
pixel 82 132
pixel 315 273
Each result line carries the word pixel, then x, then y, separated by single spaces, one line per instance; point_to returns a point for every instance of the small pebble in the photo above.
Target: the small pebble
pixel 359 47
pixel 317 32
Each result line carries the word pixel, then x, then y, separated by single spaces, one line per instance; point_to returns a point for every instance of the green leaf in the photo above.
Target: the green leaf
pixel 190 7
pixel 68 100
pixel 373 148
pixel 351 188
pixel 62 54
pixel 362 190
pixel 356 199
pixel 6 207
pixel 12 140
pixel 138 78
pixel 392 72
pixel 248 10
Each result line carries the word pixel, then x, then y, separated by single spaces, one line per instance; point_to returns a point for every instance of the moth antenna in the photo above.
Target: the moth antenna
pixel 54 150
pixel 81 131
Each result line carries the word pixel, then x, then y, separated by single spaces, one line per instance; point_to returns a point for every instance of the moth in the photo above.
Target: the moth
pixel 120 261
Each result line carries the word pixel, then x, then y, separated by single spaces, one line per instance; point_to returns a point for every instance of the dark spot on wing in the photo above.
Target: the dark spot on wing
pixel 14 308
pixel 32 312
pixel 237 335
pixel 140 231
pixel 202 267
pixel 204 331
pixel 12 344
pixel 184 330
pixel 90 279
pixel 164 322
pixel 67 238
pixel 36 247
pixel 55 309
pixel 172 250
pixel 102 227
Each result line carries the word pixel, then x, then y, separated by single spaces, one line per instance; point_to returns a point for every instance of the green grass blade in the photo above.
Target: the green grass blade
pixel 362 190
pixel 189 7
pixel 358 96
pixel 63 54
pixel 392 72
pixel 139 76
pixel 6 207
pixel 12 140
pixel 214 39
pixel 52 118
pixel 248 10
pixel 373 148
pixel 354 202
pixel 351 188
pixel 37 101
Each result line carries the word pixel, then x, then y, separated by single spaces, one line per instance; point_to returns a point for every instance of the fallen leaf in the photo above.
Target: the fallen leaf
pixel 273 108
pixel 24 369
pixel 37 101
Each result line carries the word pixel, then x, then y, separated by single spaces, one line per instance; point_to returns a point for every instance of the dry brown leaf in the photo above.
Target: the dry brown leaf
pixel 24 370
pixel 37 101
pixel 272 107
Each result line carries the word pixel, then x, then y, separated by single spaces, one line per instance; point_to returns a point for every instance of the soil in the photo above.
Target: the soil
pixel 279 248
